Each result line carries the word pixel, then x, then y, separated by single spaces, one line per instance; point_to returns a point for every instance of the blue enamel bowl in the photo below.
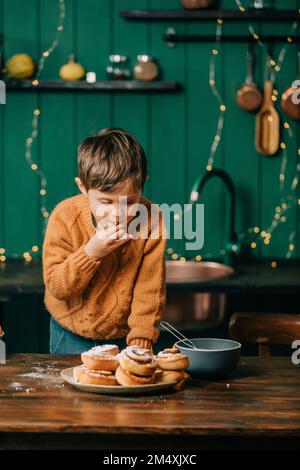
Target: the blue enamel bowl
pixel 214 358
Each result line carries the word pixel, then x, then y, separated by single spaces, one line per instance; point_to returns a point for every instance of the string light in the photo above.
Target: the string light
pixel 279 215
pixel 222 107
pixel 280 212
pixel 27 255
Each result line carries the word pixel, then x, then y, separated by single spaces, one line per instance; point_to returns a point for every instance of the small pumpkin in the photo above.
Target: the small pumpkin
pixel 20 66
pixel 72 70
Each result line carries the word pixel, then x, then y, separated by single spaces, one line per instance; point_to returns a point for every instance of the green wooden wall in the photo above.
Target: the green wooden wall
pixel 176 130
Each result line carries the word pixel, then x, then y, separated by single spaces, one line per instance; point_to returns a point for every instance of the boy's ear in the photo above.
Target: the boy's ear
pixel 80 185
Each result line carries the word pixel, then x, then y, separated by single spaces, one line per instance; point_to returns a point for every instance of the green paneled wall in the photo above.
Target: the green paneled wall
pixel 176 130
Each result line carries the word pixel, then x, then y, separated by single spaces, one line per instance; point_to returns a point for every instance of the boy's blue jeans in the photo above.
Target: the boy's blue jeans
pixel 65 342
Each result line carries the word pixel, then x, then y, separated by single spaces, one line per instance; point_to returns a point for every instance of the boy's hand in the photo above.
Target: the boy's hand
pixel 106 240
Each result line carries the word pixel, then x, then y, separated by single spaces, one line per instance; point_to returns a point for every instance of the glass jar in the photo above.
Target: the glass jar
pixel 118 68
pixel 197 4
pixel 261 4
pixel 145 68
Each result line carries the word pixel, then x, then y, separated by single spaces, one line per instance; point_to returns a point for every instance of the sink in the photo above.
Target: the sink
pixel 200 310
pixel 194 271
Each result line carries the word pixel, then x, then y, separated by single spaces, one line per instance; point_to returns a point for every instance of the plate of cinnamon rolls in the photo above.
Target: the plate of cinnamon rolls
pixel 105 369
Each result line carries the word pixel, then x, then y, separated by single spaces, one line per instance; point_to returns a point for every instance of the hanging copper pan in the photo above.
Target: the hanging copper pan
pixel 249 97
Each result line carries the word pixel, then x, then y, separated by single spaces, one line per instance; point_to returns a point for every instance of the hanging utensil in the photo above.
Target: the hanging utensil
pixel 267 124
pixel 249 96
pixel 171 329
pixel 291 109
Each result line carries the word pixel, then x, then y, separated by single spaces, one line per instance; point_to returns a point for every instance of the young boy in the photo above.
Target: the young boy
pixel 104 285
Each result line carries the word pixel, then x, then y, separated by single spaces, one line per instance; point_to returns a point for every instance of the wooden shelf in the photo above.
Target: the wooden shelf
pixel 176 38
pixel 205 15
pixel 101 86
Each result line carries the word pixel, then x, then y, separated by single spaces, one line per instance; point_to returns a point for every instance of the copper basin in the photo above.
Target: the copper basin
pixel 195 310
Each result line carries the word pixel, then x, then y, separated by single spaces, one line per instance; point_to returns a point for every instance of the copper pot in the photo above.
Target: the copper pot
pixel 196 4
pixel 188 309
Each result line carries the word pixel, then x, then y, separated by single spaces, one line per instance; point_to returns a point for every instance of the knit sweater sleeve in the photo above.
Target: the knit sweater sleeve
pixel 66 271
pixel 149 294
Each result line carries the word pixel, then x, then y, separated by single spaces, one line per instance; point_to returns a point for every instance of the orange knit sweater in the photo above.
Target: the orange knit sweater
pixel 121 294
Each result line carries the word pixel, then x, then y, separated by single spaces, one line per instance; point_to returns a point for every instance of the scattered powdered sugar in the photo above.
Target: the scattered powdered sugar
pixel 34 375
pixel 15 384
pixel 49 375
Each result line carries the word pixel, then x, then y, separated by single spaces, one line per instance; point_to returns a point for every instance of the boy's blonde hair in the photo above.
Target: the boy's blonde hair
pixel 106 160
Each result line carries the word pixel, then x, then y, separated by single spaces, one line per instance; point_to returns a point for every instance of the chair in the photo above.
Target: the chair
pixel 265 329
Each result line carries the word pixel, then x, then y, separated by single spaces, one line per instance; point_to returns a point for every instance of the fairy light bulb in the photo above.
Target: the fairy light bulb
pixel 35 121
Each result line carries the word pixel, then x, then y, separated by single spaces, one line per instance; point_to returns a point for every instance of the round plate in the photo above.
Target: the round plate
pixel 67 375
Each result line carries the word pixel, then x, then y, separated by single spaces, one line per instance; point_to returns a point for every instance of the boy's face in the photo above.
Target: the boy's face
pixel 112 202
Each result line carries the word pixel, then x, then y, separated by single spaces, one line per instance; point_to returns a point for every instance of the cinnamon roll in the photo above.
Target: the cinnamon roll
pixel 181 383
pixel 138 361
pixel 169 376
pixel 172 359
pixel 126 378
pixel 103 357
pixel 84 375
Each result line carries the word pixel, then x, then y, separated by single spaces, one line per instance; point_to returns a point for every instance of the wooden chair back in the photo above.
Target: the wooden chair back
pixel 265 329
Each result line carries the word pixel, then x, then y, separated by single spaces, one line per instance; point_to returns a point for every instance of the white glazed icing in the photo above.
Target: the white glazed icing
pixel 100 350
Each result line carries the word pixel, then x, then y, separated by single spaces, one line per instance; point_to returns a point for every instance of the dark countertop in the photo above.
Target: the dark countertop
pixel 261 400
pixel 19 277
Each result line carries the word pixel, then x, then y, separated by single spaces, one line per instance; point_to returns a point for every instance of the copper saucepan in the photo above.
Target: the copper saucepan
pixel 249 96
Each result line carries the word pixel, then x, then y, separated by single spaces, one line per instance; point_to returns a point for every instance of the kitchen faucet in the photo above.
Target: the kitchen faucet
pixel 232 247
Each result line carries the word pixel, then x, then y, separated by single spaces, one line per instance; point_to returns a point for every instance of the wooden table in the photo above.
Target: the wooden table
pixel 259 407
